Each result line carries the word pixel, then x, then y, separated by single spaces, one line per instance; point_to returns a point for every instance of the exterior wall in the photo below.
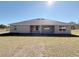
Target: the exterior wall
pixel 26 29
pixel 19 29
pixel 68 30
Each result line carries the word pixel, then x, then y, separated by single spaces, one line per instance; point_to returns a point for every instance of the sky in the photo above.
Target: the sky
pixel 16 11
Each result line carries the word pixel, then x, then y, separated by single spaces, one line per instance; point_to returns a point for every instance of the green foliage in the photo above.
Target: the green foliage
pixel 3 26
pixel 74 25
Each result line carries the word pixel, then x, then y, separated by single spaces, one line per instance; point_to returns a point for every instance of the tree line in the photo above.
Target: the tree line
pixel 3 26
pixel 74 25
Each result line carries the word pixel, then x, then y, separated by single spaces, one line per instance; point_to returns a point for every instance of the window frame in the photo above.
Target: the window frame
pixel 62 28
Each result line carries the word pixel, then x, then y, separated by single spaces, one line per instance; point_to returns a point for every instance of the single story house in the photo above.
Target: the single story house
pixel 40 26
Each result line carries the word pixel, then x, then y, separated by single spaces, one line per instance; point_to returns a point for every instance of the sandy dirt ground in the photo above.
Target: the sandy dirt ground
pixel 38 46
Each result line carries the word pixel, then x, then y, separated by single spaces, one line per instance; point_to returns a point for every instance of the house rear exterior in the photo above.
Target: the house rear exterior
pixel 40 26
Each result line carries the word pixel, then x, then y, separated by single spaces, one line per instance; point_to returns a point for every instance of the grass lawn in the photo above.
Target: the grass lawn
pixel 38 46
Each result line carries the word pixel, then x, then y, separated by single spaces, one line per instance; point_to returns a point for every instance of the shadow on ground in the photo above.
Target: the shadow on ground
pixel 49 35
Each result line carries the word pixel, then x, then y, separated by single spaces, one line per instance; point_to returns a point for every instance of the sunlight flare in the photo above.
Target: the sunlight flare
pixel 50 2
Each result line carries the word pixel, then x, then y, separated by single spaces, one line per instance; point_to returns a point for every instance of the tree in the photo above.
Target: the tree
pixel 74 25
pixel 3 26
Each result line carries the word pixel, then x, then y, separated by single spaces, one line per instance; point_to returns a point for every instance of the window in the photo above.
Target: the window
pixel 15 28
pixel 46 28
pixel 37 28
pixel 62 28
pixel 34 28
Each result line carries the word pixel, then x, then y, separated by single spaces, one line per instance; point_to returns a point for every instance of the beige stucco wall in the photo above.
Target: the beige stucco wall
pixel 68 30
pixel 20 29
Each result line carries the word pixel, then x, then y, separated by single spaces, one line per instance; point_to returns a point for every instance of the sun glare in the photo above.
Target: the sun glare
pixel 50 2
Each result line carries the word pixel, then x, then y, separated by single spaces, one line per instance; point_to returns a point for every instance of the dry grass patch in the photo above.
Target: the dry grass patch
pixel 39 46
pixel 76 32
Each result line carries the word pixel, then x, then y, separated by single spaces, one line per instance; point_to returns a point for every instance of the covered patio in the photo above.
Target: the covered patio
pixel 42 29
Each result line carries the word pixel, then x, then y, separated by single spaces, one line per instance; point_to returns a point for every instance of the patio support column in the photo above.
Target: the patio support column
pixel 40 29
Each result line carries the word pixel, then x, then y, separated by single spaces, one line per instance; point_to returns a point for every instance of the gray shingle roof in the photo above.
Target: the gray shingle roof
pixel 40 21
